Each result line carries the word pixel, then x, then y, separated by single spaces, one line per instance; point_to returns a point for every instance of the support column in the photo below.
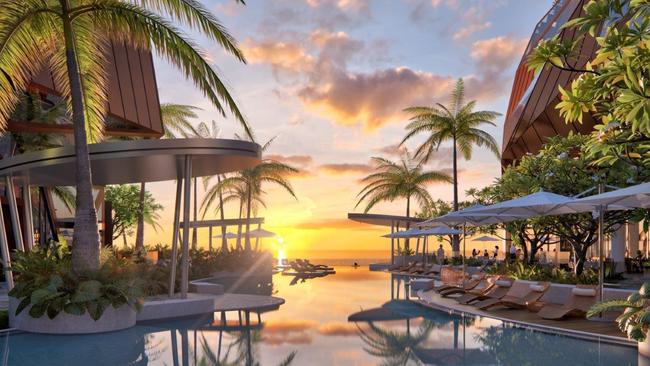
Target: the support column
pixel 633 238
pixel 210 239
pixel 392 244
pixel 618 249
pixel 28 220
pixel 185 249
pixel 13 212
pixel 176 228
pixel 4 251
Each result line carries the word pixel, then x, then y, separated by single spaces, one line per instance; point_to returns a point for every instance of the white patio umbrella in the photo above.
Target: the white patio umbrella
pixel 486 238
pixel 410 233
pixel 637 196
pixel 260 233
pixel 536 204
pixel 228 235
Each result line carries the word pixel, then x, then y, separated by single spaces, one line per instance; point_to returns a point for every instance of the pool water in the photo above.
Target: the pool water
pixel 312 328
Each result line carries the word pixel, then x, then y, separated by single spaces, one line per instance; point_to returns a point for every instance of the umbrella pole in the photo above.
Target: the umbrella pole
pixel 464 240
pixel 601 253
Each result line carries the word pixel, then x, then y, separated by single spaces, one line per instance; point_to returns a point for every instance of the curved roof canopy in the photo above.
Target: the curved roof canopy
pixel 383 220
pixel 121 162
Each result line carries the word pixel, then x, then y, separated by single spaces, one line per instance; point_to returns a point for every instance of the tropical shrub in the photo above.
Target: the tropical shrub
pixel 46 283
pixel 522 271
pixel 635 319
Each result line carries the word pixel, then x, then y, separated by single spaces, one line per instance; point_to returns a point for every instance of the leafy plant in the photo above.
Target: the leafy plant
pixel 635 319
pixel 523 271
pixel 46 284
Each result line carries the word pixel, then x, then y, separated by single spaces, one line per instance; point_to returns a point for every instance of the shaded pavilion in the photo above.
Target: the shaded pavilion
pixel 122 162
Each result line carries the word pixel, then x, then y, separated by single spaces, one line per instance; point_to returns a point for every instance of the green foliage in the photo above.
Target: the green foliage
pixel 4 319
pixel 126 207
pixel 635 319
pixel 394 180
pixel 614 86
pixel 46 284
pixel 522 271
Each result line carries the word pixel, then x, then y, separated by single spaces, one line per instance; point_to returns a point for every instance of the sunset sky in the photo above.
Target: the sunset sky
pixel 329 78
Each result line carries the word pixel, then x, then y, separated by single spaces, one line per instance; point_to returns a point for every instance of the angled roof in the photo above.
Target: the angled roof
pixel 383 220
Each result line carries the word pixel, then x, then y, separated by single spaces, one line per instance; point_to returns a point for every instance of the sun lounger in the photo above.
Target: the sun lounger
pixel 520 294
pixel 497 291
pixel 450 278
pixel 471 295
pixel 469 284
pixel 582 298
pixel 556 295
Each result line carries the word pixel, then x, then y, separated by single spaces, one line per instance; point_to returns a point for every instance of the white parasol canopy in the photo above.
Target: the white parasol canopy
pixel 536 204
pixel 471 217
pixel 260 233
pixel 486 238
pixel 637 196
pixel 228 235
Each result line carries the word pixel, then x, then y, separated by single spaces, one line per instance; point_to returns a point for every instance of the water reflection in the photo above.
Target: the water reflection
pixel 355 317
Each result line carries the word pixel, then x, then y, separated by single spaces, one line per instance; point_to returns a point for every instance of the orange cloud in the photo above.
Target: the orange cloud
pixel 288 57
pixel 338 329
pixel 345 168
pixel 301 160
pixel 289 331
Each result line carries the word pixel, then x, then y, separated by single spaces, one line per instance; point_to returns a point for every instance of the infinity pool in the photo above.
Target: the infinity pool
pixel 312 328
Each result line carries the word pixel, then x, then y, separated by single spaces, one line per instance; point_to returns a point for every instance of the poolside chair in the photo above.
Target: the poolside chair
pixel 434 270
pixel 477 281
pixel 471 295
pixel 555 295
pixel 453 279
pixel 519 295
pixel 582 298
pixel 497 291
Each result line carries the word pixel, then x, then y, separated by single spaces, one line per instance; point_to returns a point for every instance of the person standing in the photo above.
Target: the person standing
pixel 496 252
pixel 440 255
pixel 474 253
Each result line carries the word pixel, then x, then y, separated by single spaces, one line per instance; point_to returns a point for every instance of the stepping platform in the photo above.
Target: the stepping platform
pixel 197 304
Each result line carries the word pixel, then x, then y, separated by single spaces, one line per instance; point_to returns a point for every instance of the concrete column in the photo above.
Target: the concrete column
pixel 633 238
pixel 4 251
pixel 392 244
pixel 185 248
pixel 13 212
pixel 177 209
pixel 210 239
pixel 618 248
pixel 28 221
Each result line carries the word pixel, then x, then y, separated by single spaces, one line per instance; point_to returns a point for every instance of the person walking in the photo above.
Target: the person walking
pixel 440 255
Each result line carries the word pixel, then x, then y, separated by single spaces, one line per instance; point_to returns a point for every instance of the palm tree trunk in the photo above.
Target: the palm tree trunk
pixel 247 244
pixel 194 234
pixel 86 246
pixel 224 241
pixel 139 237
pixel 455 242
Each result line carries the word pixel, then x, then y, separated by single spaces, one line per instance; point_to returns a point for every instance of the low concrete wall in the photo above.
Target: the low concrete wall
pixel 176 308
pixel 202 287
pixel 112 319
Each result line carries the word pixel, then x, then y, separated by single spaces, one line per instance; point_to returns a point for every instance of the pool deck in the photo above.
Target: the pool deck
pixel 602 331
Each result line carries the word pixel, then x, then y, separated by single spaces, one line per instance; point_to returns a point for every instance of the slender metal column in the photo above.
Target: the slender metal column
pixel 601 248
pixel 13 212
pixel 177 214
pixel 28 221
pixel 185 249
pixel 464 237
pixel 4 250
pixel 210 240
pixel 392 244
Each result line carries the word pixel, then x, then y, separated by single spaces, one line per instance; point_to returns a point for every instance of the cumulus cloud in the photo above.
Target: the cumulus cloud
pixel 345 168
pixel 299 160
pixel 391 150
pixel 283 57
pixel 338 329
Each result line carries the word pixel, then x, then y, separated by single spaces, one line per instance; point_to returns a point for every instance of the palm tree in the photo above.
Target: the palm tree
pixel 458 123
pixel 251 180
pixel 176 123
pixel 404 179
pixel 69 36
pixel 395 347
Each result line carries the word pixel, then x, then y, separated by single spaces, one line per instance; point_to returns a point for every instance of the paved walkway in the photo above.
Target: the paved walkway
pixel 605 331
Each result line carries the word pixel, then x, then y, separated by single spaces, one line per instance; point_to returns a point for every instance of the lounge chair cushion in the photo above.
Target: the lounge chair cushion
pixel 503 283
pixel 537 288
pixel 583 291
pixel 476 276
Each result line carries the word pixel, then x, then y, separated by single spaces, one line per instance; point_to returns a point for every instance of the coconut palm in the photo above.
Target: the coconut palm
pixel 405 179
pixel 251 180
pixel 456 122
pixel 69 37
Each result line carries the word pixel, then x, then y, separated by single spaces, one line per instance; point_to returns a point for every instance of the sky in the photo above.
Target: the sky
pixel 329 80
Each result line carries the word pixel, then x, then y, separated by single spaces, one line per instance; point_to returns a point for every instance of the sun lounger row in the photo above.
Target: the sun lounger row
pixel 549 302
